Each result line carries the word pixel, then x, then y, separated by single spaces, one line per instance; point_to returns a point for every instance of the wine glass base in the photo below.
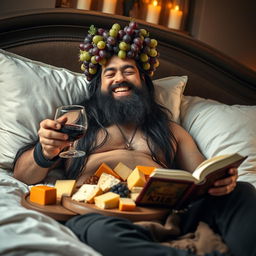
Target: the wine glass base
pixel 72 154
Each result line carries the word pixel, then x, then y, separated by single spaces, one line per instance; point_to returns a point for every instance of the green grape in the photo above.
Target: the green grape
pixel 101 45
pixel 85 56
pixel 82 67
pixel 113 32
pixel 153 52
pixel 122 54
pixel 92 71
pixel 97 38
pixel 116 26
pixel 153 43
pixel 123 46
pixel 146 66
pixel 143 32
pixel 93 60
pixel 156 64
pixel 144 57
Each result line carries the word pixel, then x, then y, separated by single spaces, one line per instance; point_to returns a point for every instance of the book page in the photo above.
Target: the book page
pixel 214 164
pixel 173 174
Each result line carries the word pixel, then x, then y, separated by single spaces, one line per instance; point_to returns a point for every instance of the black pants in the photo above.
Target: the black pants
pixel 232 216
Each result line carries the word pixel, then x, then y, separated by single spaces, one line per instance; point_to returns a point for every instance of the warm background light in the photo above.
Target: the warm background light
pixel 153 12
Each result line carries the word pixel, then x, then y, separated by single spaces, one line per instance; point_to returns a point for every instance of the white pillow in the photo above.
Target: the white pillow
pixel 30 92
pixel 169 92
pixel 221 129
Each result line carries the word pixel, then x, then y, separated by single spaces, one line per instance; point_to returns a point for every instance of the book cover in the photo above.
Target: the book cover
pixel 176 188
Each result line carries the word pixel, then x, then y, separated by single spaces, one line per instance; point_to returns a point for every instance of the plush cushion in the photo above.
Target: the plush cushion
pixel 30 92
pixel 221 129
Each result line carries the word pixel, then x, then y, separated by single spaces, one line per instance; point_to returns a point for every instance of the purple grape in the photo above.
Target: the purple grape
pixel 105 34
pixel 101 31
pixel 129 31
pixel 95 51
pixel 109 48
pixel 81 46
pixel 87 46
pixel 86 64
pixel 127 38
pixel 130 54
pixel 138 41
pixel 88 39
pixel 147 41
pixel 98 58
pixel 135 48
pixel 91 65
pixel 121 34
pixel 133 25
pixel 116 49
pixel 103 53
pixel 111 40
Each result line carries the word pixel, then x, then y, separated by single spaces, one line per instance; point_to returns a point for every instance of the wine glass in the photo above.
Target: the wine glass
pixel 75 127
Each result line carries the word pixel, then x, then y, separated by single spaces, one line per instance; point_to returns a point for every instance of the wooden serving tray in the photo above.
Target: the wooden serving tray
pixel 138 214
pixel 56 211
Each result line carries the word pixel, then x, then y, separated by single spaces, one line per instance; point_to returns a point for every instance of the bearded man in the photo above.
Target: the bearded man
pixel 127 125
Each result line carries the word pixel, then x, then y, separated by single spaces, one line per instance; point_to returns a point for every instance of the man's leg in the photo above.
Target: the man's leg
pixel 116 236
pixel 232 216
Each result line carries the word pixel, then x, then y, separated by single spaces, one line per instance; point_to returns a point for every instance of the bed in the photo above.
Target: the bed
pixel 210 95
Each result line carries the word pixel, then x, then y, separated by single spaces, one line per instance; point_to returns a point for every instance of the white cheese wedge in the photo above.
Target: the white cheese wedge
pixel 106 181
pixel 84 192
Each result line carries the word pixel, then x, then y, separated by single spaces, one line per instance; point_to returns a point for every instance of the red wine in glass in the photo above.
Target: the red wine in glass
pixel 75 127
pixel 74 131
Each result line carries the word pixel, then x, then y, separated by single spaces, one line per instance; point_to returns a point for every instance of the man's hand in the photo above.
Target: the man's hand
pixel 51 140
pixel 225 186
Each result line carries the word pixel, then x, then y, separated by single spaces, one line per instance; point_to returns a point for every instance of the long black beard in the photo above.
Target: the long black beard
pixel 130 109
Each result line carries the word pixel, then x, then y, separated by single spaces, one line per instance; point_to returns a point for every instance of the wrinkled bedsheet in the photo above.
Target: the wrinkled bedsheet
pixel 30 233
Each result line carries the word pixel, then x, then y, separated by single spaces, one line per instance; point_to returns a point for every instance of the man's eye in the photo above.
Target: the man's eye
pixel 129 72
pixel 109 74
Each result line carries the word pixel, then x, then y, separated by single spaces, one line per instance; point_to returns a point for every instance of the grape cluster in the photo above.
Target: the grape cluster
pixel 121 189
pixel 129 42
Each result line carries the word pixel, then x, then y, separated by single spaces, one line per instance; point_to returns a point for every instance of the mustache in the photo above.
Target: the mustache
pixel 122 84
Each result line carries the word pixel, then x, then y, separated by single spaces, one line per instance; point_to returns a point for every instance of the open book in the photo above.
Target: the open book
pixel 176 188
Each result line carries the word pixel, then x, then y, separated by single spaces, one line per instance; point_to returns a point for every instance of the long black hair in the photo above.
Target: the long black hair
pixel 155 127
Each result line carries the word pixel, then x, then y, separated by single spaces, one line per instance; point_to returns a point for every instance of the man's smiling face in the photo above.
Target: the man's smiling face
pixel 117 71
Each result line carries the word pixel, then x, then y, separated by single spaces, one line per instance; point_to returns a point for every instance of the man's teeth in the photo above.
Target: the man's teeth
pixel 121 89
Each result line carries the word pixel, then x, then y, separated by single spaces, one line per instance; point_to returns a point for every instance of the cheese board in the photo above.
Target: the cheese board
pixel 138 214
pixel 56 211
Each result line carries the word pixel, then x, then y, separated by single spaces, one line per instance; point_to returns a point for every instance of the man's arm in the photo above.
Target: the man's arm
pixel 52 142
pixel 188 157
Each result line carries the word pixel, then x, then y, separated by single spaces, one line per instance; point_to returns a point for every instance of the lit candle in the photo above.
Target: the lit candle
pixel 153 12
pixel 175 16
pixel 109 6
pixel 83 4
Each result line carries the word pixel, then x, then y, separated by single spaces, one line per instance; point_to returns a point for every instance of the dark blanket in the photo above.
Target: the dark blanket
pixel 201 242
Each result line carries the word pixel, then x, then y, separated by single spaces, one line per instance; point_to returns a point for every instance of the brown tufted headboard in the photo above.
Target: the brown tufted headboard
pixel 53 36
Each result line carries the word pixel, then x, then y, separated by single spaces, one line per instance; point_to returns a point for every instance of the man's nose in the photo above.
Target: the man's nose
pixel 119 77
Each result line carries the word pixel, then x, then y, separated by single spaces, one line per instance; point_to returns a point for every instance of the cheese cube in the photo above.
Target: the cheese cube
pixel 126 204
pixel 43 195
pixel 96 192
pixel 106 169
pixel 136 189
pixel 123 171
pixel 136 179
pixel 84 192
pixel 147 170
pixel 108 200
pixel 65 187
pixel 107 181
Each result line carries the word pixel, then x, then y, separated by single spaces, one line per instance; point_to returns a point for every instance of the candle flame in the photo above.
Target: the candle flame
pixel 155 3
pixel 177 7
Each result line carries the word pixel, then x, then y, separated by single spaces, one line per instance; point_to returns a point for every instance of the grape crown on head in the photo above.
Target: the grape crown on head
pixel 130 42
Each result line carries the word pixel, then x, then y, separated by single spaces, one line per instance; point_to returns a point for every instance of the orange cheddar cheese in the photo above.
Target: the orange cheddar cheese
pixel 147 170
pixel 126 204
pixel 43 195
pixel 104 168
pixel 136 179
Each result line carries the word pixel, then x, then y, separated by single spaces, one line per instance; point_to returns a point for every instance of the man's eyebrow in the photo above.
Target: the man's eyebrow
pixel 122 68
